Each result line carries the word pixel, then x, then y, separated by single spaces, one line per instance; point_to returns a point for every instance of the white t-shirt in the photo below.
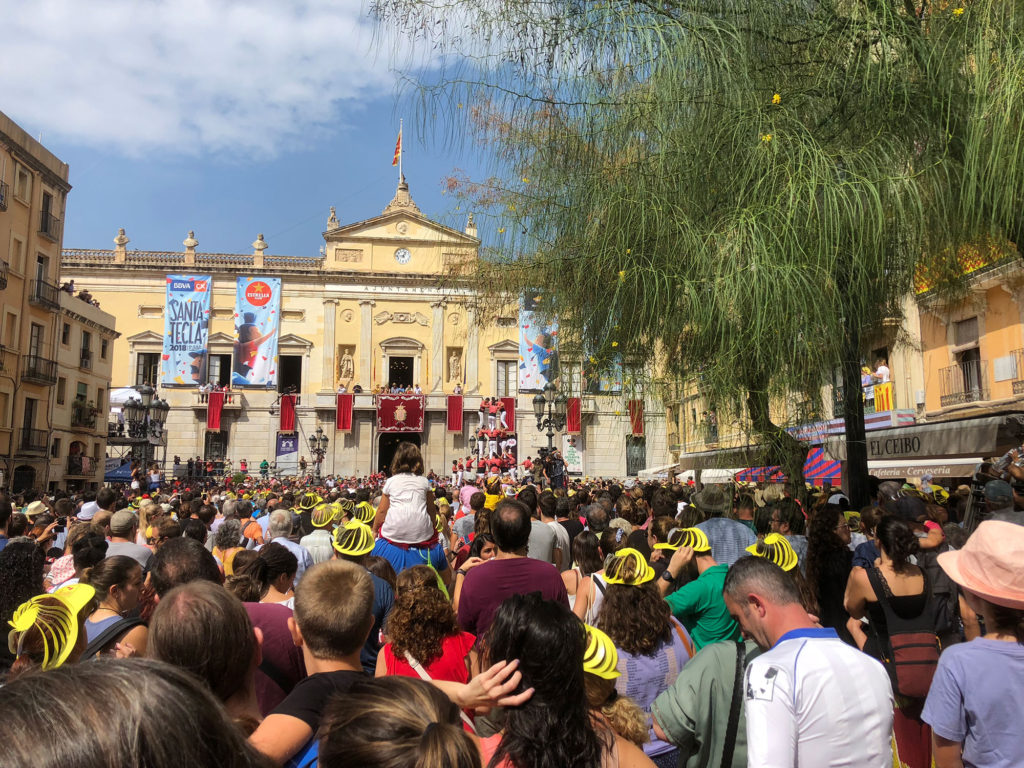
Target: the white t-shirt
pixel 813 700
pixel 882 373
pixel 562 543
pixel 407 521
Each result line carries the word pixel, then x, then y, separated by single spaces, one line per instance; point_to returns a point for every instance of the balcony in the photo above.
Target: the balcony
pixel 39 370
pixel 49 226
pixel 5 195
pixel 44 294
pixel 5 358
pixel 4 269
pixel 232 400
pixel 83 416
pixel 965 382
pixel 85 360
pixel 33 440
pixel 80 466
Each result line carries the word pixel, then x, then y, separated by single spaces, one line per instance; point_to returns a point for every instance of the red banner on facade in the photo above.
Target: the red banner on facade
pixel 400 413
pixel 454 413
pixel 573 417
pixel 510 412
pixel 344 412
pixel 636 417
pixel 287 413
pixel 214 406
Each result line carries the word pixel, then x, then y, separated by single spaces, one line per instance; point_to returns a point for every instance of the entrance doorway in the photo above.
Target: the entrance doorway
pixel 400 371
pixel 23 479
pixel 389 444
pixel 636 455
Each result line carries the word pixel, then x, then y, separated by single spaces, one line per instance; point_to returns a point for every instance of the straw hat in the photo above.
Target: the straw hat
pixel 989 564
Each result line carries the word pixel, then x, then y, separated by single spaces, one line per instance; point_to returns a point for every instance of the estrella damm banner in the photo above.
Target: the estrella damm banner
pixel 186 330
pixel 257 320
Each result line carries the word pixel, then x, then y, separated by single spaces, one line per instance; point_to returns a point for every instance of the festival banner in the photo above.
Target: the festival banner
pixel 573 416
pixel 214 406
pixel 538 347
pixel 400 413
pixel 287 413
pixel 510 413
pixel 455 413
pixel 257 319
pixel 287 453
pixel 343 413
pixel 186 331
pixel 572 454
pixel 636 417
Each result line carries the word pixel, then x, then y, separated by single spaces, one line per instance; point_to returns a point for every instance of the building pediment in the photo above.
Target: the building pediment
pixel 505 347
pixel 146 338
pixel 292 341
pixel 401 227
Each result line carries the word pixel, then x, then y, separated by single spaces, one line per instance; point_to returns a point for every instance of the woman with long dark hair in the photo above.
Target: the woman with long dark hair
pixel 652 646
pixel 554 728
pixel 268 578
pixel 904 586
pixel 118 584
pixel 829 561
pixel 586 556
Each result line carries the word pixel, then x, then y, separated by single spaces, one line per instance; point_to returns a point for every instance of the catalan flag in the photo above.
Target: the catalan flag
pixel 398 148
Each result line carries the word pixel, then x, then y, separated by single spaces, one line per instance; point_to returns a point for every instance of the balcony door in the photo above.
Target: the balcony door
pixel 29 417
pixel 35 342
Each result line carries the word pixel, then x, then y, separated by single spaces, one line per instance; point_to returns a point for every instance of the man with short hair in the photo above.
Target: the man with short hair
pixel 811 699
pixel 279 529
pixel 123 527
pixel 511 572
pixel 597 519
pixel 179 561
pixel 999 503
pixel 548 507
pixel 542 538
pixel 729 538
pixel 333 617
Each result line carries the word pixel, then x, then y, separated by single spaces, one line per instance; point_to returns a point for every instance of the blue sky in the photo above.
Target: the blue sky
pixel 227 117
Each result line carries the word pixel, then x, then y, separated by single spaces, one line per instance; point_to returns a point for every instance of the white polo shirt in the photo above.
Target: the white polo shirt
pixel 813 700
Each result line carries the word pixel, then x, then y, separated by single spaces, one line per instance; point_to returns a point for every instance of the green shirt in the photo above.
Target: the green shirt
pixel 700 606
pixel 694 711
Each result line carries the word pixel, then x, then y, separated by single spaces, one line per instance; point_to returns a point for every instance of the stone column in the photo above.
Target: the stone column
pixel 472 359
pixel 330 348
pixel 365 350
pixel 437 359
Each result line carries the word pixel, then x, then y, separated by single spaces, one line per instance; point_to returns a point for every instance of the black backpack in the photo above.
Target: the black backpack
pixel 945 595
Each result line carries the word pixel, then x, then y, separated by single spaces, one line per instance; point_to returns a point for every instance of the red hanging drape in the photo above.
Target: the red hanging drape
pixel 400 413
pixel 636 417
pixel 454 413
pixel 214 406
pixel 510 412
pixel 287 413
pixel 344 412
pixel 573 417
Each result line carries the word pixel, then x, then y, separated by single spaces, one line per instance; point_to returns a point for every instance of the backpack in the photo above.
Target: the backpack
pixel 911 650
pixel 945 596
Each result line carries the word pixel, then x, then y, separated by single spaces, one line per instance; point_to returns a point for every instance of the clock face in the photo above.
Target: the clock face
pixel 402 255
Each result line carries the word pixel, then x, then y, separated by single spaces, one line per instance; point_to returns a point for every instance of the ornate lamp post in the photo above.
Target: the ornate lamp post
pixel 550 409
pixel 145 416
pixel 318 449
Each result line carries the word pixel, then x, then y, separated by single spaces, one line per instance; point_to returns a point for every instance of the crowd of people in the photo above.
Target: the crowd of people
pixel 485 620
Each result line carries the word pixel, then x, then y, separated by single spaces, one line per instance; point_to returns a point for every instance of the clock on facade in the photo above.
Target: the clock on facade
pixel 402 255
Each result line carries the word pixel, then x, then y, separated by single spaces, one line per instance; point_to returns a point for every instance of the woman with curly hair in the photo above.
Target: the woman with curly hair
pixel 829 562
pixel 554 728
pixel 424 639
pixel 652 645
pixel 600 667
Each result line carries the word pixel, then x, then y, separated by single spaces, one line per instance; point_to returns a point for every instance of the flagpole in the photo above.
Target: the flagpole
pixel 401 149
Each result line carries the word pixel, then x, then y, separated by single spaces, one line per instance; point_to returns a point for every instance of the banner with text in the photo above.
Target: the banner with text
pixel 538 347
pixel 572 453
pixel 287 453
pixel 257 319
pixel 186 331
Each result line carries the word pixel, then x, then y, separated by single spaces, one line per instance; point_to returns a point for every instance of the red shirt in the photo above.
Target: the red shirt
pixel 451 665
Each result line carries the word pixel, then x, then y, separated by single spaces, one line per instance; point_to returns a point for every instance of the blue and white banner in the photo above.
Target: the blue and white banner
pixel 257 320
pixel 538 347
pixel 288 453
pixel 186 330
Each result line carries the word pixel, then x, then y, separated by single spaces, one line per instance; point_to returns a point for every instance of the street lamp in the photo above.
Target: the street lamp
pixel 550 408
pixel 145 416
pixel 318 449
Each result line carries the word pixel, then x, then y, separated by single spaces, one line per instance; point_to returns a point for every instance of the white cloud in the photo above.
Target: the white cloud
pixel 188 76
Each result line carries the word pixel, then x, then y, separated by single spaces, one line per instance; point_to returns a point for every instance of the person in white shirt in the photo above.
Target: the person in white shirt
pixel 881 373
pixel 811 699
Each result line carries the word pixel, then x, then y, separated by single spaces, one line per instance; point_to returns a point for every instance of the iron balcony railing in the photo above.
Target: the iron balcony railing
pixel 49 226
pixel 39 370
pixel 33 440
pixel 4 269
pixel 80 466
pixel 1018 371
pixel 83 416
pixel 85 361
pixel 965 382
pixel 5 194
pixel 44 294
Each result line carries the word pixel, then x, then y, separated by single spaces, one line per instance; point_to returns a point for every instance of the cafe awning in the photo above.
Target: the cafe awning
pixel 962 440
pixel 892 469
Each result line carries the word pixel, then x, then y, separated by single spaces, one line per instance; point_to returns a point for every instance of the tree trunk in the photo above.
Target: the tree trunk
pixel 780 446
pixel 853 418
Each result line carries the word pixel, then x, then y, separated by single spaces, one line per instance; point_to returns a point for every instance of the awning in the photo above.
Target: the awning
pixel 658 473
pixel 817 469
pixel 713 475
pixel 962 440
pixel 894 469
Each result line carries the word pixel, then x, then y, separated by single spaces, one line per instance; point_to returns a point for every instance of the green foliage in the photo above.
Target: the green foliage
pixel 736 185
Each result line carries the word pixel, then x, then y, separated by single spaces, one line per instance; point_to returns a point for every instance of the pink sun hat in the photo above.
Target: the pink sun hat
pixel 990 564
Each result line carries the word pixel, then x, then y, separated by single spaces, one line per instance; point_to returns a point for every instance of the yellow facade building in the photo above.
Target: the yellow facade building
pixel 382 304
